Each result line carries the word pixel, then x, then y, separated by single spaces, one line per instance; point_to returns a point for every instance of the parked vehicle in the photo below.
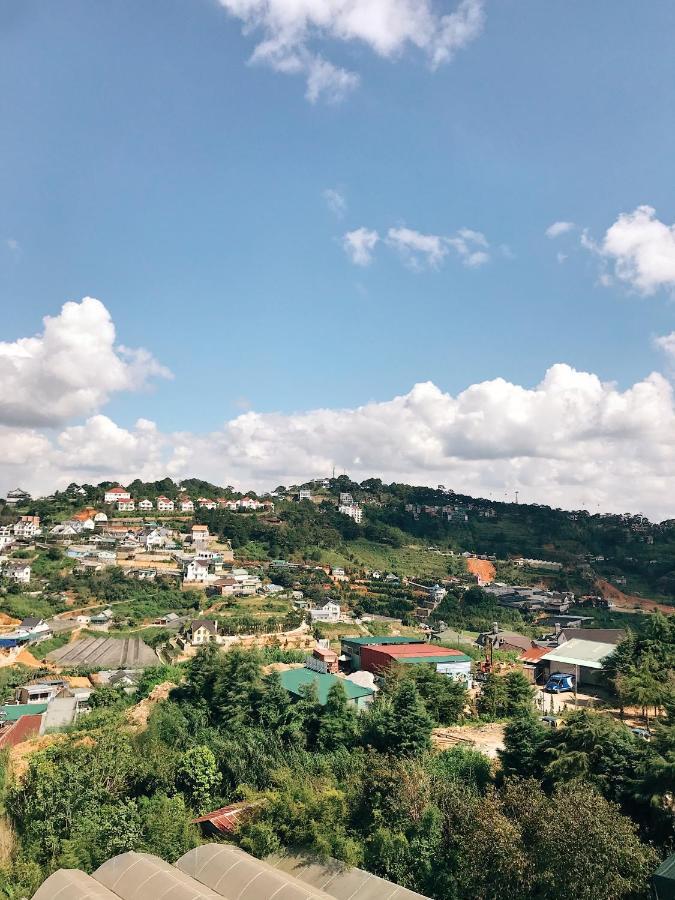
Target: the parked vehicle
pixel 550 721
pixel 559 683
pixel 642 733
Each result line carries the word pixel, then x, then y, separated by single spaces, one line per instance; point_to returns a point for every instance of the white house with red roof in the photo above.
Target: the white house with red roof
pixel 114 495
pixel 127 505
pixel 145 505
pixel 165 505
pixel 206 503
pixel 186 505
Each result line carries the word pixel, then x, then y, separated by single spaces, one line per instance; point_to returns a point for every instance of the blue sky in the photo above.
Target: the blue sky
pixel 146 162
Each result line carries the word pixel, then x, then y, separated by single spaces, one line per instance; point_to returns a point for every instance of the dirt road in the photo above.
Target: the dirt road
pixel 630 601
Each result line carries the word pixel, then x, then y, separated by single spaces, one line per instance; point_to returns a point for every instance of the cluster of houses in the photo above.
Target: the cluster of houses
pixel 530 599
pixel 122 500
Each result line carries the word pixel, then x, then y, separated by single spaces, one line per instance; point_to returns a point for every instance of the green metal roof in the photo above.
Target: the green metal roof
pixel 13 712
pixel 364 641
pixel 664 879
pixel 441 658
pixel 295 679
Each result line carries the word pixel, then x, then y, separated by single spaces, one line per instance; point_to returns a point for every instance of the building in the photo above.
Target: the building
pixel 298 681
pixel 114 495
pixel 198 571
pixel 329 612
pixel 346 498
pixel 16 571
pixel 503 640
pixel 583 659
pixel 145 505
pixel 337 573
pixel 200 534
pixel 27 527
pixel 165 505
pixel 127 505
pixel 323 660
pixel 17 496
pixel 37 629
pixel 352 510
pixel 186 505
pixel 304 494
pixel 206 503
pixel 377 659
pixel 350 647
pixel 201 631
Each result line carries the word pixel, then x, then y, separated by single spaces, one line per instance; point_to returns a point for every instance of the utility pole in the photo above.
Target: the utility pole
pixel 517 498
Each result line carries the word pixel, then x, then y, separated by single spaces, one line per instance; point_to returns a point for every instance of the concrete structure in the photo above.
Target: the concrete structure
pixel 352 510
pixel 16 497
pixel 114 495
pixel 329 612
pixel 323 660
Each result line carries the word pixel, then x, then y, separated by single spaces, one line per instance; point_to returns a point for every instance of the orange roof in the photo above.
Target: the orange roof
pixel 200 528
pixel 534 654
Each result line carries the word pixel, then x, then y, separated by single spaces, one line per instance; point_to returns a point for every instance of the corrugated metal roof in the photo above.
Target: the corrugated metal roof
pixel 442 658
pixel 295 679
pixel 580 653
pixel 365 641
pixel 13 712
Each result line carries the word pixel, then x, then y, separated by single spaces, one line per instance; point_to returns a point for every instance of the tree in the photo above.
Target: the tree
pixel 519 693
pixel 276 712
pixel 523 753
pixel 402 725
pixel 198 778
pixel 338 724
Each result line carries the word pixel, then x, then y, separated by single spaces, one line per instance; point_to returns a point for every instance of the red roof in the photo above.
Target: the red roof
pixel 534 654
pixel 117 490
pixel 400 651
pixel 225 819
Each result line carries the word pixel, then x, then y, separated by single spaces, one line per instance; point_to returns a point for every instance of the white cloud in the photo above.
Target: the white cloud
pixel 335 201
pixel 666 343
pixel 641 249
pixel 417 249
pixel 13 245
pixel 421 251
pixel 70 369
pixel 359 245
pixel 558 228
pixel 290 28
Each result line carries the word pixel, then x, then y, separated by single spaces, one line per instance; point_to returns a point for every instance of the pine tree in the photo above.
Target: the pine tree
pixel 410 723
pixel 337 721
pixel 524 739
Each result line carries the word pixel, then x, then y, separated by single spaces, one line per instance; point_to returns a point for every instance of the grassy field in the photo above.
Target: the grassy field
pixel 410 560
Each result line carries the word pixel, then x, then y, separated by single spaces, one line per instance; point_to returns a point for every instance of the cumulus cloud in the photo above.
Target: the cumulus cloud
pixel 13 245
pixel 638 249
pixel 70 369
pixel 571 441
pixel 359 245
pixel 558 228
pixel 419 250
pixel 666 343
pixel 335 202
pixel 290 29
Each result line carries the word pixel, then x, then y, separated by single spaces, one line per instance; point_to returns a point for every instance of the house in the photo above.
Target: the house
pixel 206 503
pixel 298 681
pixel 200 534
pixel 225 587
pixel 145 505
pixel 169 619
pixel 324 660
pixel 186 505
pixel 16 571
pixel 583 659
pixel 36 628
pixel 158 538
pixel 337 573
pixel 201 631
pixel 346 498
pixel 27 527
pixel 6 540
pixel 304 494
pixel 352 510
pixel 329 612
pixel 127 505
pixel 114 495
pixel 165 505
pixel 503 640
pixel 66 529
pixel 198 571
pixel 17 496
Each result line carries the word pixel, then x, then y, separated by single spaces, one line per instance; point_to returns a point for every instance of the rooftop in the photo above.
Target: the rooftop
pixel 580 653
pixel 296 679
pixel 366 641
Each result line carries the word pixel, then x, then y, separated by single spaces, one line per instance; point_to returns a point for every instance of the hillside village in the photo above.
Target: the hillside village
pixel 108 590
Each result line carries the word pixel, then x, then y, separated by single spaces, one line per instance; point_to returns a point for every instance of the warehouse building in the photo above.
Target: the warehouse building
pixel 297 681
pixel 581 658
pixel 453 663
pixel 350 647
